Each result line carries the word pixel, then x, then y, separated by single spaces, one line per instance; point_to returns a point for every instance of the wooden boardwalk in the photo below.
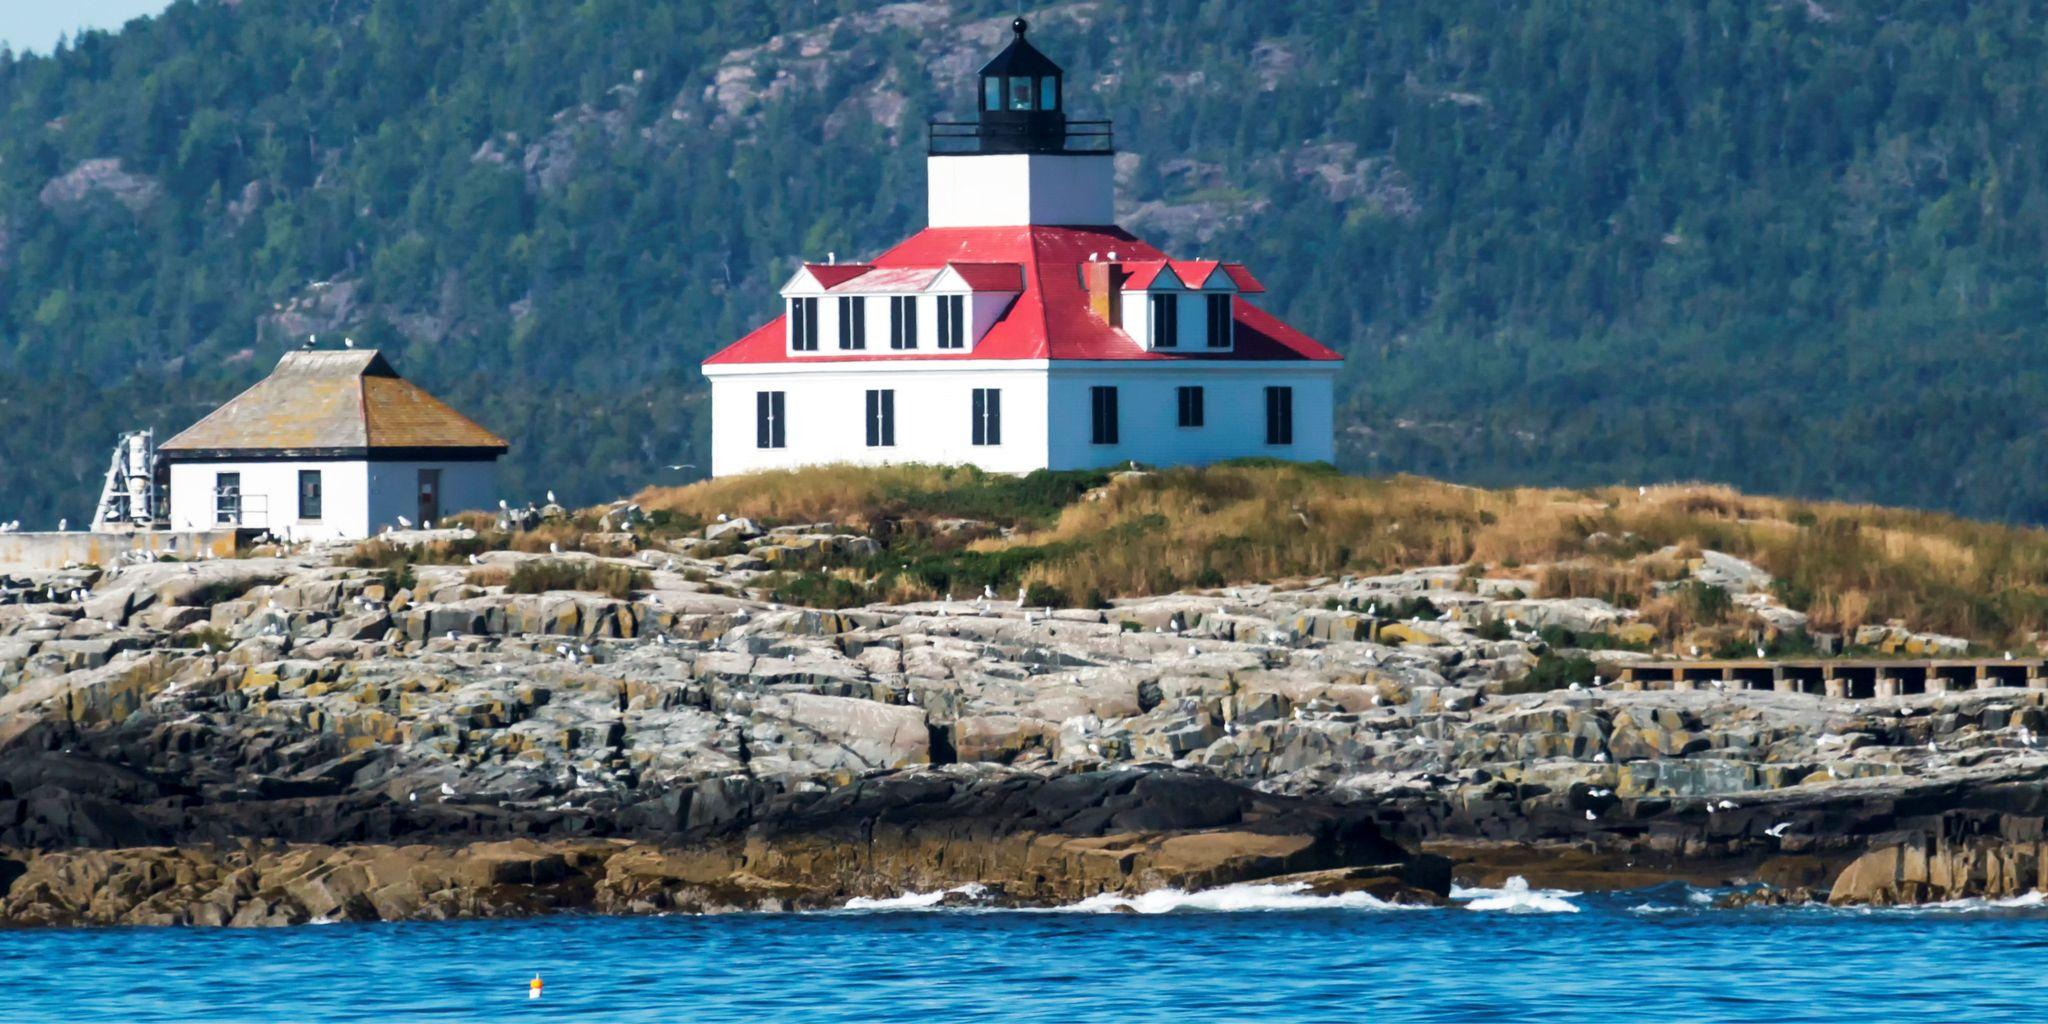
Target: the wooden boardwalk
pixel 1833 677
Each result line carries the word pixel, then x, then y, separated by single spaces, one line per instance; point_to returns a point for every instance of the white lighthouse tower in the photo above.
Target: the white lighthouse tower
pixel 1022 161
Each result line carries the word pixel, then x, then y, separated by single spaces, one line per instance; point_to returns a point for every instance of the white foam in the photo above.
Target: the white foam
pixel 1246 896
pixel 2024 901
pixel 1515 897
pixel 914 900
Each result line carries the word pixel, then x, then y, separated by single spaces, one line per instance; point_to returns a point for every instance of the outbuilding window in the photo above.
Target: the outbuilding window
pixel 882 419
pixel 1190 405
pixel 309 494
pixel 768 422
pixel 227 499
pixel 1279 415
pixel 1103 407
pixel 988 416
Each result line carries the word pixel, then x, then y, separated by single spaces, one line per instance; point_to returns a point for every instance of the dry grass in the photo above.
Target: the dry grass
pixel 1845 564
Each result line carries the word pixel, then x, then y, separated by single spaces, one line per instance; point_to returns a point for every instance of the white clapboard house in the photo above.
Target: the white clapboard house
pixel 1022 329
pixel 334 444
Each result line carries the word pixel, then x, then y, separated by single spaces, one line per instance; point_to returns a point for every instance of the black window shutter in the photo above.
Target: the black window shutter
pixel 995 416
pixel 888 418
pixel 874 425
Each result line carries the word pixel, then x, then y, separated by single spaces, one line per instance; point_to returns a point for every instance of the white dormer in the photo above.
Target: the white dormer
pixel 813 321
pixel 1178 305
pixel 968 298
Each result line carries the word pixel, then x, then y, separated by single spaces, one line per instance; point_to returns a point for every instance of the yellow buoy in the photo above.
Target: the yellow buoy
pixel 533 988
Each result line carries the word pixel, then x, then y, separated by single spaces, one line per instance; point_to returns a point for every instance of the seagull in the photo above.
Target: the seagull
pixel 551 497
pixel 1590 816
pixel 447 790
pixel 404 523
pixel 1777 831
pixel 1760 651
pixel 348 342
pixel 554 548
pixel 63 524
pixel 1020 596
pixel 476 560
pixel 1600 758
pixel 504 506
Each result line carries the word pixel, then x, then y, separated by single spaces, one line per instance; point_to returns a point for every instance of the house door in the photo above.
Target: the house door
pixel 430 497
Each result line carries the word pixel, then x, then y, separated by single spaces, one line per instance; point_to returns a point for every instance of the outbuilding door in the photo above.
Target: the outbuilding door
pixel 430 497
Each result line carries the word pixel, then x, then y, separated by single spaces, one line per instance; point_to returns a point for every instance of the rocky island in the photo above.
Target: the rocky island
pixel 788 691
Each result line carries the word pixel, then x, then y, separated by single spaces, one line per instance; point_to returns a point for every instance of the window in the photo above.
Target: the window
pixel 1104 401
pixel 768 422
pixel 227 499
pixel 1279 415
pixel 309 494
pixel 952 321
pixel 803 325
pixel 1220 328
pixel 903 321
pixel 881 419
pixel 988 416
pixel 1190 406
pixel 853 322
pixel 992 93
pixel 1048 93
pixel 1020 94
pixel 1165 321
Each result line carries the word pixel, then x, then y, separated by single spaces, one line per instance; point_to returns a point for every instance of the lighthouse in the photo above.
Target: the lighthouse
pixel 1022 329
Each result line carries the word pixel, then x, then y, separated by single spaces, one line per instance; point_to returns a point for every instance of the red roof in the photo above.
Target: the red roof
pixel 1051 318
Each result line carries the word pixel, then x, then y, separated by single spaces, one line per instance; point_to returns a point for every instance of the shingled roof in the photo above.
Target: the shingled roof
pixel 345 402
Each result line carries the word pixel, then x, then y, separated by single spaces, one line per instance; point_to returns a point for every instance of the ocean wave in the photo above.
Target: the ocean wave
pixel 2025 901
pixel 1245 896
pixel 1515 897
pixel 914 900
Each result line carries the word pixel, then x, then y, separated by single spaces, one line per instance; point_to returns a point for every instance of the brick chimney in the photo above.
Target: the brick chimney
pixel 1105 283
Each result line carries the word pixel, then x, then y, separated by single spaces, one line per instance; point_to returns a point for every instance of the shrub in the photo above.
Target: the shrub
pixel 1553 672
pixel 1044 596
pixel 817 590
pixel 1494 629
pixel 538 576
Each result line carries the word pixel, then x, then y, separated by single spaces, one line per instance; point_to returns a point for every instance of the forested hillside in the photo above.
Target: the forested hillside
pixel 1797 247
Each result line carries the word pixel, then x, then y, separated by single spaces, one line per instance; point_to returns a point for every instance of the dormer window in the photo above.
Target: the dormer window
pixel 1221 324
pixel 1165 321
pixel 952 321
pixel 803 325
pixel 903 321
pixel 853 322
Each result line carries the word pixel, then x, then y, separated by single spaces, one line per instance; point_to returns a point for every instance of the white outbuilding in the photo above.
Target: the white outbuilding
pixel 333 445
pixel 1022 329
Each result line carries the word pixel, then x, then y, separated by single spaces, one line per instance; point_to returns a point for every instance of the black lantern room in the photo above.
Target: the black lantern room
pixel 1022 108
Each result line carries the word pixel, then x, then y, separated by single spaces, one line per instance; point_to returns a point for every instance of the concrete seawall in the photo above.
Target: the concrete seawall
pixel 40 551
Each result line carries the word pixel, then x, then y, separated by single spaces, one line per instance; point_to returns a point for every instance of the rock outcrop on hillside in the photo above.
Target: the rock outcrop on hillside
pixel 270 740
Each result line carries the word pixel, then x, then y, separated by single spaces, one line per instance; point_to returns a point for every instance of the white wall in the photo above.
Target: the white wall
pixel 358 498
pixel 826 415
pixel 270 497
pixel 1234 413
pixel 1010 189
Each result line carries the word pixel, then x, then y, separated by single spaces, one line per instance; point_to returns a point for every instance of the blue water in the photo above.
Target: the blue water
pixel 1612 961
